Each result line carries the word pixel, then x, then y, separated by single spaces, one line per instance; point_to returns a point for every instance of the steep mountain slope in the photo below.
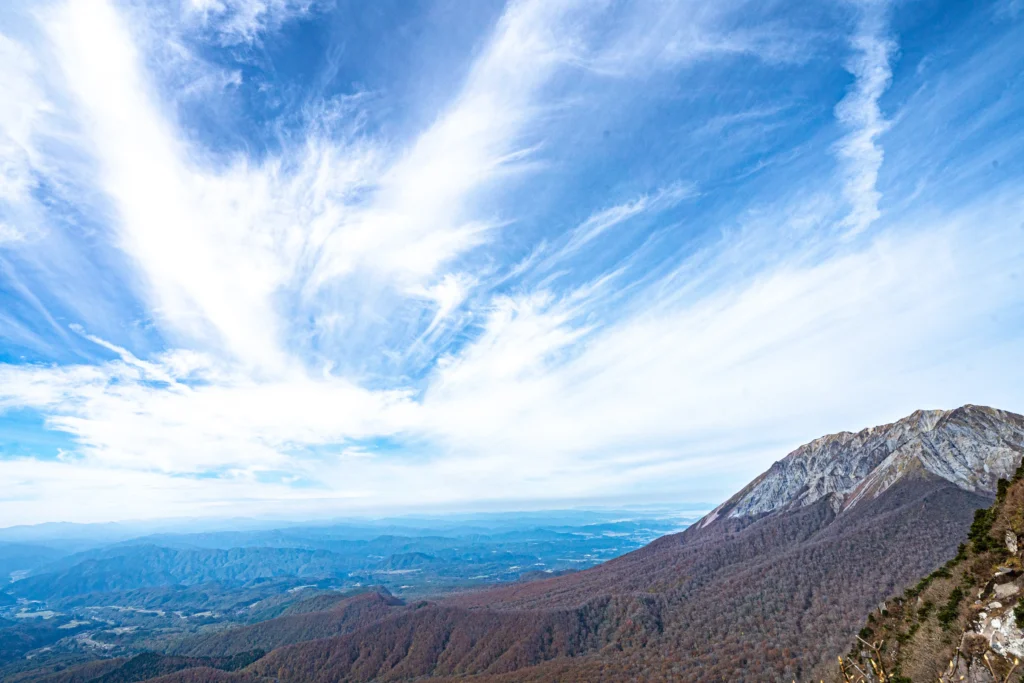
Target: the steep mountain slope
pixel 768 587
pixel 453 641
pixel 962 622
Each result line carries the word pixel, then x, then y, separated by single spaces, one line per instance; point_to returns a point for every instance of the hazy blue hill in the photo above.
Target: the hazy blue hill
pixel 24 556
pixel 409 560
pixel 70 538
pixel 132 567
pixel 421 531
pixel 260 599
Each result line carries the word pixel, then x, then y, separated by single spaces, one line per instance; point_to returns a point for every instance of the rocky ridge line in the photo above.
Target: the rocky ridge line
pixel 971 446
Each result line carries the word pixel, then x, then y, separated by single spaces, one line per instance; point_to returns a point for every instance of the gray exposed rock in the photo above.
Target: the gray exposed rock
pixel 1005 590
pixel 972 447
pixel 1011 542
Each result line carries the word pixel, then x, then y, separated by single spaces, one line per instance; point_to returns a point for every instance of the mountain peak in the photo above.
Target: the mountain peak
pixel 971 446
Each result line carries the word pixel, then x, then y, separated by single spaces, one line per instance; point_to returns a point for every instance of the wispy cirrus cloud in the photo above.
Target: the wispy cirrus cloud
pixel 421 214
pixel 23 105
pixel 859 112
pixel 598 223
pixel 244 21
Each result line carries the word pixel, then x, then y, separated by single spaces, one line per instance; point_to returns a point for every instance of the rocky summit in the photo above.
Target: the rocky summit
pixel 971 447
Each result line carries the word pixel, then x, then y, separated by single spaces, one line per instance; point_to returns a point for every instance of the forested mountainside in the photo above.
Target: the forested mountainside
pixel 771 586
pixel 143 667
pixel 337 619
pixel 962 622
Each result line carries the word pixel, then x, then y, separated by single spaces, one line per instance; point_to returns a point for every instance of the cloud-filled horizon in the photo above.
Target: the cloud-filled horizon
pixel 304 257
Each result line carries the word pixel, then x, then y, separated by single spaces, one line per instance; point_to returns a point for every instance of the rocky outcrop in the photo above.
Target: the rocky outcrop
pixel 962 623
pixel 972 447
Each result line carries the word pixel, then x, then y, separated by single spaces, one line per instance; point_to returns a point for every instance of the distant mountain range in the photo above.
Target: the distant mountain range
pixel 133 567
pixel 117 597
pixel 770 586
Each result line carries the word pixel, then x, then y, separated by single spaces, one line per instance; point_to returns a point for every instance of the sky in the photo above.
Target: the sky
pixel 310 258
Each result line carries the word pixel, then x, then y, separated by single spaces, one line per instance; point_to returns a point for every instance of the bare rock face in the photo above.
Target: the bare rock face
pixel 1011 542
pixel 1005 590
pixel 995 627
pixel 972 447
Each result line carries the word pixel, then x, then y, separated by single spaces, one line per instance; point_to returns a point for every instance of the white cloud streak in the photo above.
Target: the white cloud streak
pixel 420 216
pixel 860 150
pixel 602 221
pixel 172 217
pixel 21 108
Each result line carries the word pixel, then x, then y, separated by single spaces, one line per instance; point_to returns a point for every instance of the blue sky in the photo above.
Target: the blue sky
pixel 315 258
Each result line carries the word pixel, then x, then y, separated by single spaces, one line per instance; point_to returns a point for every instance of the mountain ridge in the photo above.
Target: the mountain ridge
pixel 971 446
